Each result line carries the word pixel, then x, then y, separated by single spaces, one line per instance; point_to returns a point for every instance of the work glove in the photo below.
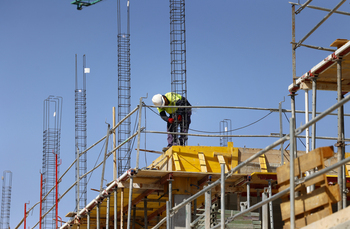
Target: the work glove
pixel 179 118
pixel 170 120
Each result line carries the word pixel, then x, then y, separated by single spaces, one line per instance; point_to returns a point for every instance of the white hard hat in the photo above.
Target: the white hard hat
pixel 158 100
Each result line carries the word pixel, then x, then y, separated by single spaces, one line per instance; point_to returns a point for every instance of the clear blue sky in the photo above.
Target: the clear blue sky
pixel 238 54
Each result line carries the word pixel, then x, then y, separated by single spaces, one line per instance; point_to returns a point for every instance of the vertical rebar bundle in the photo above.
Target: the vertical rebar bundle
pixel 178 47
pixel 225 129
pixel 6 200
pixel 51 147
pixel 178 52
pixel 124 72
pixel 80 136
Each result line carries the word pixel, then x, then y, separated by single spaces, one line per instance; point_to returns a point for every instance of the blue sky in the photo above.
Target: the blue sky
pixel 238 54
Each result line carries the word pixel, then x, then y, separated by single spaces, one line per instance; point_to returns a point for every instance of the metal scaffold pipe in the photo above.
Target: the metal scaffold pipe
pixel 320 23
pixel 240 108
pixel 237 136
pixel 291 175
pixel 321 8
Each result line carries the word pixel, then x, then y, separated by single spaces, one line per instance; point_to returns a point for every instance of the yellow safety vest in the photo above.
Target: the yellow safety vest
pixel 172 98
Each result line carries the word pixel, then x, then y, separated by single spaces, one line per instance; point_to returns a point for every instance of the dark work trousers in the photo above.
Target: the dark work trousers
pixel 174 139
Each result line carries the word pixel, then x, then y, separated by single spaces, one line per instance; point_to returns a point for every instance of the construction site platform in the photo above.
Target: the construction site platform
pixel 188 169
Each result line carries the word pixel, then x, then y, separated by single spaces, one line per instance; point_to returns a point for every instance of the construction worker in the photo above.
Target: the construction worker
pixel 177 116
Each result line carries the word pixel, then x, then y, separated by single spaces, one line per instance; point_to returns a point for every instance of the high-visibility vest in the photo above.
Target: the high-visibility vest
pixel 172 98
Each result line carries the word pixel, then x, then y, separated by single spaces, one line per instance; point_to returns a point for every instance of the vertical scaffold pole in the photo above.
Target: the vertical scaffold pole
pixel 98 215
pixel 340 143
pixel 222 216
pixel 293 44
pixel 88 220
pixel 139 135
pixel 130 200
pixel 281 131
pixel 107 210
pixel 114 146
pixel 168 215
pixel 41 199
pixel 248 194
pixel 314 93
pixel 105 156
pixel 265 213
pixel 292 96
pixel 291 177
pixel 170 198
pixel 307 134
pixel 188 216
pixel 271 206
pixel 207 209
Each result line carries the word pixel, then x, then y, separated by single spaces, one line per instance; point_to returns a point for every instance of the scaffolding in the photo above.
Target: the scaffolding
pixel 124 87
pixel 51 153
pixel 6 200
pixel 194 174
pixel 80 135
pixel 326 75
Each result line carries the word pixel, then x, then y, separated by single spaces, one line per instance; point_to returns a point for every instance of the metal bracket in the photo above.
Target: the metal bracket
pixel 339 144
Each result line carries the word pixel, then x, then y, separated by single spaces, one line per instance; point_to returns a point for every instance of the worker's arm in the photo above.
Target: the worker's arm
pixel 163 116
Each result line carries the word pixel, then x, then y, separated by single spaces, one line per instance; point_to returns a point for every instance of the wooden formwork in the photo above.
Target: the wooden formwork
pixel 312 206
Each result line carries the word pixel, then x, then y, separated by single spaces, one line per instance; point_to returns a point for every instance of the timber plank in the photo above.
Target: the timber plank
pixel 332 220
pixel 222 161
pixel 318 198
pixel 177 162
pixel 202 162
pixel 283 172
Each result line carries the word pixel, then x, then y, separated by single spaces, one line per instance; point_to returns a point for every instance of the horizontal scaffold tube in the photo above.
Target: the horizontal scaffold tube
pixel 243 108
pixel 236 136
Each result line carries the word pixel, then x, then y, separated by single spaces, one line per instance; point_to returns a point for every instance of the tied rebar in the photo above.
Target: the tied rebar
pixel 80 136
pixel 124 88
pixel 6 200
pixel 51 148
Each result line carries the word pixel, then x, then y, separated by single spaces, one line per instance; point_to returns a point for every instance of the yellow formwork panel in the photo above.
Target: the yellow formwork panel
pixel 197 159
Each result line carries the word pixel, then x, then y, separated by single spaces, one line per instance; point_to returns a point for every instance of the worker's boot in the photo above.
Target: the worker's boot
pixel 166 148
